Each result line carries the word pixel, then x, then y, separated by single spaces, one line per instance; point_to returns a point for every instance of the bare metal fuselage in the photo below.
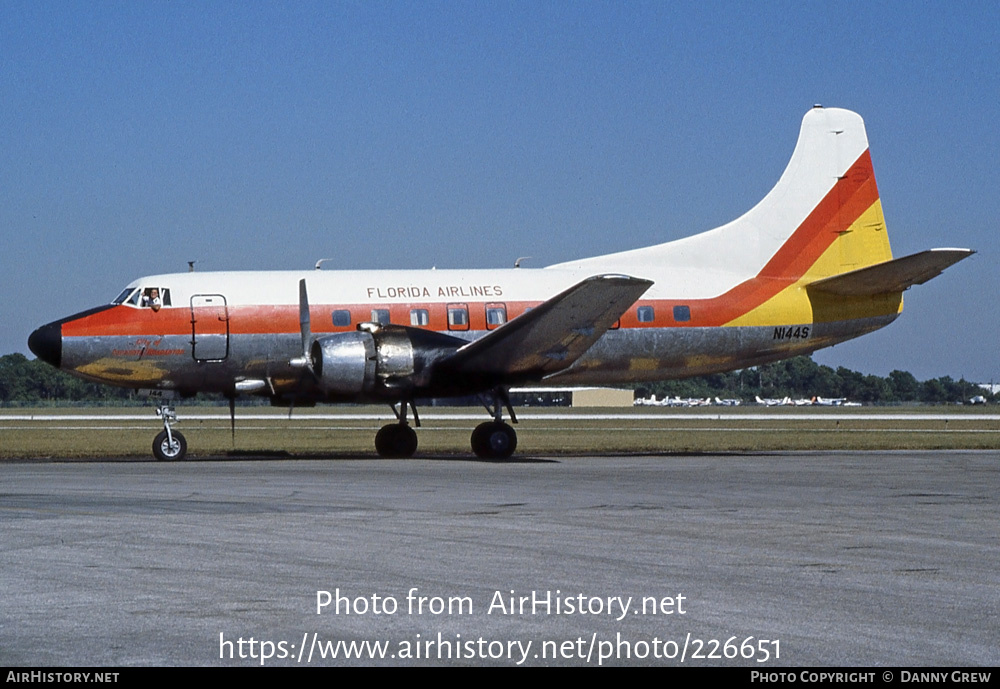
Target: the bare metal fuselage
pixel 195 346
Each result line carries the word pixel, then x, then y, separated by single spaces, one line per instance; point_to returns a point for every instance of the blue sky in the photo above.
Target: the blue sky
pixel 140 135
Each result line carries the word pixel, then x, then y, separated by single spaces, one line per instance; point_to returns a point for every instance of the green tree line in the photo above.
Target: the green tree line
pixel 26 382
pixel 802 377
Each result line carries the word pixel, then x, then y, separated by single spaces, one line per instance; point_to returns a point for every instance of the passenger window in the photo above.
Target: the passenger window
pixel 380 316
pixel 682 314
pixel 458 317
pixel 645 314
pixel 419 317
pixel 341 318
pixel 496 315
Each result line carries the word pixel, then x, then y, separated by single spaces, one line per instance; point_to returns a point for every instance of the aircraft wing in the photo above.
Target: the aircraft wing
pixel 552 335
pixel 891 276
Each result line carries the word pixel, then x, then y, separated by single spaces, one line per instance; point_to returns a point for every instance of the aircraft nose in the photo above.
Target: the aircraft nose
pixel 46 343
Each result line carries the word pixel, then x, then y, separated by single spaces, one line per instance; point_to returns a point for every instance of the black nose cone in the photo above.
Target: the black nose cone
pixel 46 343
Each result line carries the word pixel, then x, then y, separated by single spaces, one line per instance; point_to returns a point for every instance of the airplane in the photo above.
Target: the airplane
pixel 829 401
pixel 774 401
pixel 808 267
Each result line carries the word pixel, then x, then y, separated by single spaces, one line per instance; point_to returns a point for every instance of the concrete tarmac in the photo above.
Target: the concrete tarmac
pixel 856 559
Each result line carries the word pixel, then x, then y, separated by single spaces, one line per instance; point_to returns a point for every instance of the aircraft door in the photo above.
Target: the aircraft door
pixel 209 327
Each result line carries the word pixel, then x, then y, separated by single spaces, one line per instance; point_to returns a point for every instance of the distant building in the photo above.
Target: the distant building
pixel 602 397
pixel 574 397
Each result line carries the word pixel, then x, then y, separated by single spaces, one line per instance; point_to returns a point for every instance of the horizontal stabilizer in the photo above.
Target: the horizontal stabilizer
pixel 891 276
pixel 554 334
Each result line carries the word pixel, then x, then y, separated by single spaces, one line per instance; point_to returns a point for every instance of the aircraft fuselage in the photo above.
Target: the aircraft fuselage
pixel 223 328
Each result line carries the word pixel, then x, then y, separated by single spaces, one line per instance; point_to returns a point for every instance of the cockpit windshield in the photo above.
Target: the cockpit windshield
pixel 146 297
pixel 124 296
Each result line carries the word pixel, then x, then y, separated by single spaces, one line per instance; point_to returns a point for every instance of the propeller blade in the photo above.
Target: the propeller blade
pixel 304 322
pixel 304 361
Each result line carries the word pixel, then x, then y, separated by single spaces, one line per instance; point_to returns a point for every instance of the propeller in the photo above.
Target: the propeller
pixel 304 361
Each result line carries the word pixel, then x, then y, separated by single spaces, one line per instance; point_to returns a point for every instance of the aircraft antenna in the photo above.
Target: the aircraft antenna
pixel 517 263
pixel 191 266
pixel 320 262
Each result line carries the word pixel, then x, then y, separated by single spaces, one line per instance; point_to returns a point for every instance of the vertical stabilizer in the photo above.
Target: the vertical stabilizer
pixel 822 218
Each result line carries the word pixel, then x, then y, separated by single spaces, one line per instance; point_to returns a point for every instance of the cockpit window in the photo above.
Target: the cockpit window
pixel 121 298
pixel 155 298
pixel 146 297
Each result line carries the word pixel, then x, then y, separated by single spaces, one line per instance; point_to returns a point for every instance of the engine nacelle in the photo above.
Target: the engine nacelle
pixel 370 359
pixel 345 363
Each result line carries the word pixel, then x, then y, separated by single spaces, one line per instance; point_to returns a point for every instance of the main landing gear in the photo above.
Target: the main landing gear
pixel 398 440
pixel 495 439
pixel 169 445
pixel 491 440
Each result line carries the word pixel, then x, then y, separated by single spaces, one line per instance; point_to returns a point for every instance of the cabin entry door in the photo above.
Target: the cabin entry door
pixel 209 327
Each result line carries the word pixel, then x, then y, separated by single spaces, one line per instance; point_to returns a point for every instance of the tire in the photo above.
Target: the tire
pixel 165 452
pixel 396 441
pixel 494 440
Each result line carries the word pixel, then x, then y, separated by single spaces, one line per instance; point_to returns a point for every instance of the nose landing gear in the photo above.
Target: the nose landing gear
pixel 169 445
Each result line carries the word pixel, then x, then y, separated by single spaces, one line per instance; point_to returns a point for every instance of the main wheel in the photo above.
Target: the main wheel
pixel 167 451
pixel 494 440
pixel 396 441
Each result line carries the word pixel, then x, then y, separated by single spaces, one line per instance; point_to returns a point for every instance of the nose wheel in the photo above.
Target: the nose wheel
pixel 169 448
pixel 168 445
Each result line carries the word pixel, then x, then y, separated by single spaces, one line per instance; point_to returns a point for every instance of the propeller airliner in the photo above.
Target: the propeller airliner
pixel 808 267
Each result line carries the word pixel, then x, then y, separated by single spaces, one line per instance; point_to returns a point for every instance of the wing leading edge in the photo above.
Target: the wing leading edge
pixel 553 335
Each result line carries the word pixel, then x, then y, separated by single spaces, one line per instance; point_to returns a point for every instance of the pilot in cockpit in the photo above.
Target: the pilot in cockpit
pixel 151 298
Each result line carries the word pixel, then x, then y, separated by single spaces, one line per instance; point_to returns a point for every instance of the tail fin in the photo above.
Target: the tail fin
pixel 822 218
pixel 815 249
pixel 831 183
